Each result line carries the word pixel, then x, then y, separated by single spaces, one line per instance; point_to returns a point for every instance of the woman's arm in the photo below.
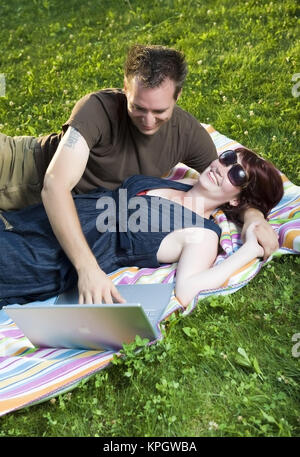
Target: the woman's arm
pixel 194 271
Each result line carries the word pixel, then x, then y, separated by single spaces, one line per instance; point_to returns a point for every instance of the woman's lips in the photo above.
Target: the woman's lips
pixel 213 177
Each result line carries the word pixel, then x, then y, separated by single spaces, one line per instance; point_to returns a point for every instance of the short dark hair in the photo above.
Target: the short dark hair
pixel 154 63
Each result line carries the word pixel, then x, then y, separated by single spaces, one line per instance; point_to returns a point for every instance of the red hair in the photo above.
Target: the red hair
pixel 263 190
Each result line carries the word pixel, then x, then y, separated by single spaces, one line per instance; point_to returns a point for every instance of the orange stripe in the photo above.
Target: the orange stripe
pixel 10 343
pixel 239 271
pixel 210 129
pixel 296 210
pixel 116 275
pixel 290 237
pixel 20 351
pixel 15 403
pixel 284 178
pixel 29 373
pixel 219 213
pixel 231 143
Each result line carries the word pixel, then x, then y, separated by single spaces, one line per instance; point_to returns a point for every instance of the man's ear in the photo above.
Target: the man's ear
pixel 234 202
pixel 179 93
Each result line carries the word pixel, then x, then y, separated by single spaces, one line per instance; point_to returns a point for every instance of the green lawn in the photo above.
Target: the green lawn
pixel 242 57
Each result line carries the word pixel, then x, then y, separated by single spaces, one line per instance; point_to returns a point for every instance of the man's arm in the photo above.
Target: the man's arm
pixel 64 172
pixel 264 233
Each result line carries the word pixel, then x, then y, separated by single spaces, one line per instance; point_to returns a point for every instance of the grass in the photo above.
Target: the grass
pixel 227 369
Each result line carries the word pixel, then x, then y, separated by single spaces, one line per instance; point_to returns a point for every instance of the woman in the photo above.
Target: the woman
pixel 33 265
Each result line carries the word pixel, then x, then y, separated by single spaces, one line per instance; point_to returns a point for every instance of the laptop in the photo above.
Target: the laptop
pixel 66 324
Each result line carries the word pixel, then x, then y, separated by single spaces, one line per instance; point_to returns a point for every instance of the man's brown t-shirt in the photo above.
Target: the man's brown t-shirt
pixel 118 149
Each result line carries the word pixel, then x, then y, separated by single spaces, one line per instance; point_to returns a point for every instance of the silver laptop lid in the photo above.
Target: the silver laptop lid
pixel 98 327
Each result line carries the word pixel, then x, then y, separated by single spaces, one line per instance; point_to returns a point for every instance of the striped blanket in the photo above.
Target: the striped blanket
pixel 31 375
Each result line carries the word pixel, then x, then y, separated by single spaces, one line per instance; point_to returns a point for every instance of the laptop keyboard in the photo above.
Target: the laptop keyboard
pixel 151 312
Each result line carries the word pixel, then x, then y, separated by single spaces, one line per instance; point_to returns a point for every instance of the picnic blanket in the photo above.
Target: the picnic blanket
pixel 31 375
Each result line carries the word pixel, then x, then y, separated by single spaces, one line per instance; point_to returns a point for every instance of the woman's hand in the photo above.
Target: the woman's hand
pixel 94 286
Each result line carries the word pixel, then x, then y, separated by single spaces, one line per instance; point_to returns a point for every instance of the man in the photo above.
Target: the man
pixel 110 135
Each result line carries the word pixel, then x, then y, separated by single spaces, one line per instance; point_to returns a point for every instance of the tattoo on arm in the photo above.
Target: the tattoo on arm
pixel 72 137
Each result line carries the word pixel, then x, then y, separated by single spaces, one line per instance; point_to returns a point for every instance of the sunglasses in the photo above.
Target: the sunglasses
pixel 236 175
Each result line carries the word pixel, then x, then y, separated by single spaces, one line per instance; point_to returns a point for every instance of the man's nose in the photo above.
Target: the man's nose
pixel 149 119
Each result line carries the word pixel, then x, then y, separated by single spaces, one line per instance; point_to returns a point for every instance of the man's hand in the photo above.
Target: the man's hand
pixel 252 241
pixel 263 231
pixel 94 286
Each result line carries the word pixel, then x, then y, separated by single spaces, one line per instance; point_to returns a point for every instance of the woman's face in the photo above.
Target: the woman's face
pixel 215 180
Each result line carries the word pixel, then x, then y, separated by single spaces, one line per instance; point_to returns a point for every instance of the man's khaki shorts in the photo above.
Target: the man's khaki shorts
pixel 19 182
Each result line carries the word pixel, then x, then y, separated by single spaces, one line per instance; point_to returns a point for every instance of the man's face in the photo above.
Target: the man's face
pixel 149 108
